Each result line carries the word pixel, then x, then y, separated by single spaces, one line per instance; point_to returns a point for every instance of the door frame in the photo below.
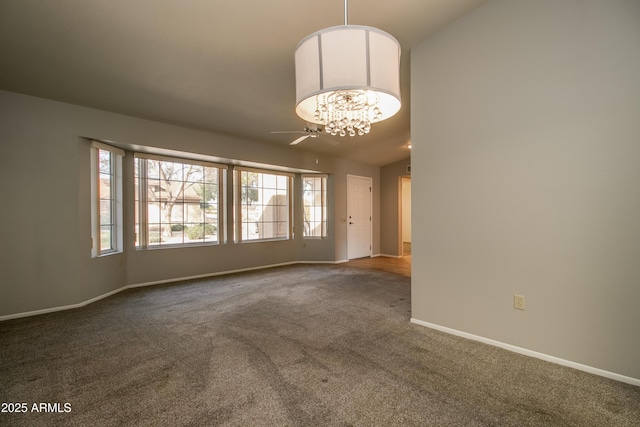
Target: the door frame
pixel 402 213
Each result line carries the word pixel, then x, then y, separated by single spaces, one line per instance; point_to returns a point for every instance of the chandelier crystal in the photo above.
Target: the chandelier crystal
pixel 347 78
pixel 347 112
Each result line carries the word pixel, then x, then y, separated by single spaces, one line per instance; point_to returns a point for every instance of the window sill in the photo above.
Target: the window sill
pixel 176 246
pixel 106 254
pixel 282 239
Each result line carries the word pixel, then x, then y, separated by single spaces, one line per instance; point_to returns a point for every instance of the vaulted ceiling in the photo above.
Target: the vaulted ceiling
pixel 222 66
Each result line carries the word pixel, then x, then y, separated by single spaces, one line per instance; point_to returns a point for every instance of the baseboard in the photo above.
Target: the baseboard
pixel 319 262
pixel 531 353
pixel 204 276
pixel 152 283
pixel 60 308
pixel 389 256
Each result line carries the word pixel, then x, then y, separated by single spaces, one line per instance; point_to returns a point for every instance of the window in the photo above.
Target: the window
pixel 106 192
pixel 262 205
pixel 178 201
pixel 314 203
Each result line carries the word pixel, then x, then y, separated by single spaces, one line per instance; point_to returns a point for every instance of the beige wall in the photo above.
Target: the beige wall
pixel 389 209
pixel 45 251
pixel 525 124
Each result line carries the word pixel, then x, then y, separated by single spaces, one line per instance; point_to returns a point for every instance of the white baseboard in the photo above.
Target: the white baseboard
pixel 156 282
pixel 389 256
pixel 60 308
pixel 319 262
pixel 531 353
pixel 204 276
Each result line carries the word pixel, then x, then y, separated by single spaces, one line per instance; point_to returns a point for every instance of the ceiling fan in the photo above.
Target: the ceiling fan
pixel 311 130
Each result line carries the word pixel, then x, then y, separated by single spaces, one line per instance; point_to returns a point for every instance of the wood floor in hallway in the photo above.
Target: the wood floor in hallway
pixel 400 266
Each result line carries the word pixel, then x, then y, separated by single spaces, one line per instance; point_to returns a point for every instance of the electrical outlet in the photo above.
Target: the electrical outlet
pixel 518 302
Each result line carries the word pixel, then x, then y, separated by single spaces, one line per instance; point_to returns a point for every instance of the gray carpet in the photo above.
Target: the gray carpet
pixel 292 346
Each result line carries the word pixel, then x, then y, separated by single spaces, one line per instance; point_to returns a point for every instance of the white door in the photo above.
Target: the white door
pixel 358 216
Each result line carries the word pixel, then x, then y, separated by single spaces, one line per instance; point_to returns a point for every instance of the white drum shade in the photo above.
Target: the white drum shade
pixel 348 58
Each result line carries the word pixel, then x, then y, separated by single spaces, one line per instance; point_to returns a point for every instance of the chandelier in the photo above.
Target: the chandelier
pixel 347 77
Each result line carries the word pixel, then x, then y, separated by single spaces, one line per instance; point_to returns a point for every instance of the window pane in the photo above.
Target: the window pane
pixel 105 186
pixel 153 168
pixel 314 206
pixel 170 171
pixel 105 238
pixel 181 203
pixel 193 212
pixel 264 209
pixel 104 161
pixel 194 173
pixel 106 210
pixel 105 217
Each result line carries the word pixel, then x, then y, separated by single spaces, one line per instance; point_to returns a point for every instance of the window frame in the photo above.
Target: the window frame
pixel 141 223
pixel 324 223
pixel 237 204
pixel 115 198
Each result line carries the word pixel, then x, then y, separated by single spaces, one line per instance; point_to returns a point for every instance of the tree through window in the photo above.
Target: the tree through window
pixel 178 201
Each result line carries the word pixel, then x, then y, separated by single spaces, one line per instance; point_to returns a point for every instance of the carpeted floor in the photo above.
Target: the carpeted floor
pixel 323 345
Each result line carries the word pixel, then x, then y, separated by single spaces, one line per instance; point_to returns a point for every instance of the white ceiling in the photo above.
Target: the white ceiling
pixel 224 66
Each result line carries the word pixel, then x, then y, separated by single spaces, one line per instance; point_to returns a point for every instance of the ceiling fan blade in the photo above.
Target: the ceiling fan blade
pixel 288 131
pixel 299 140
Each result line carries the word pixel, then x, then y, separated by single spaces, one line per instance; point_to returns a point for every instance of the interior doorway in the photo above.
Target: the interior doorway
pixel 405 222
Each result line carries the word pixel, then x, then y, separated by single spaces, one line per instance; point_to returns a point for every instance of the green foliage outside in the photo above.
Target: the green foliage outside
pixel 197 232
